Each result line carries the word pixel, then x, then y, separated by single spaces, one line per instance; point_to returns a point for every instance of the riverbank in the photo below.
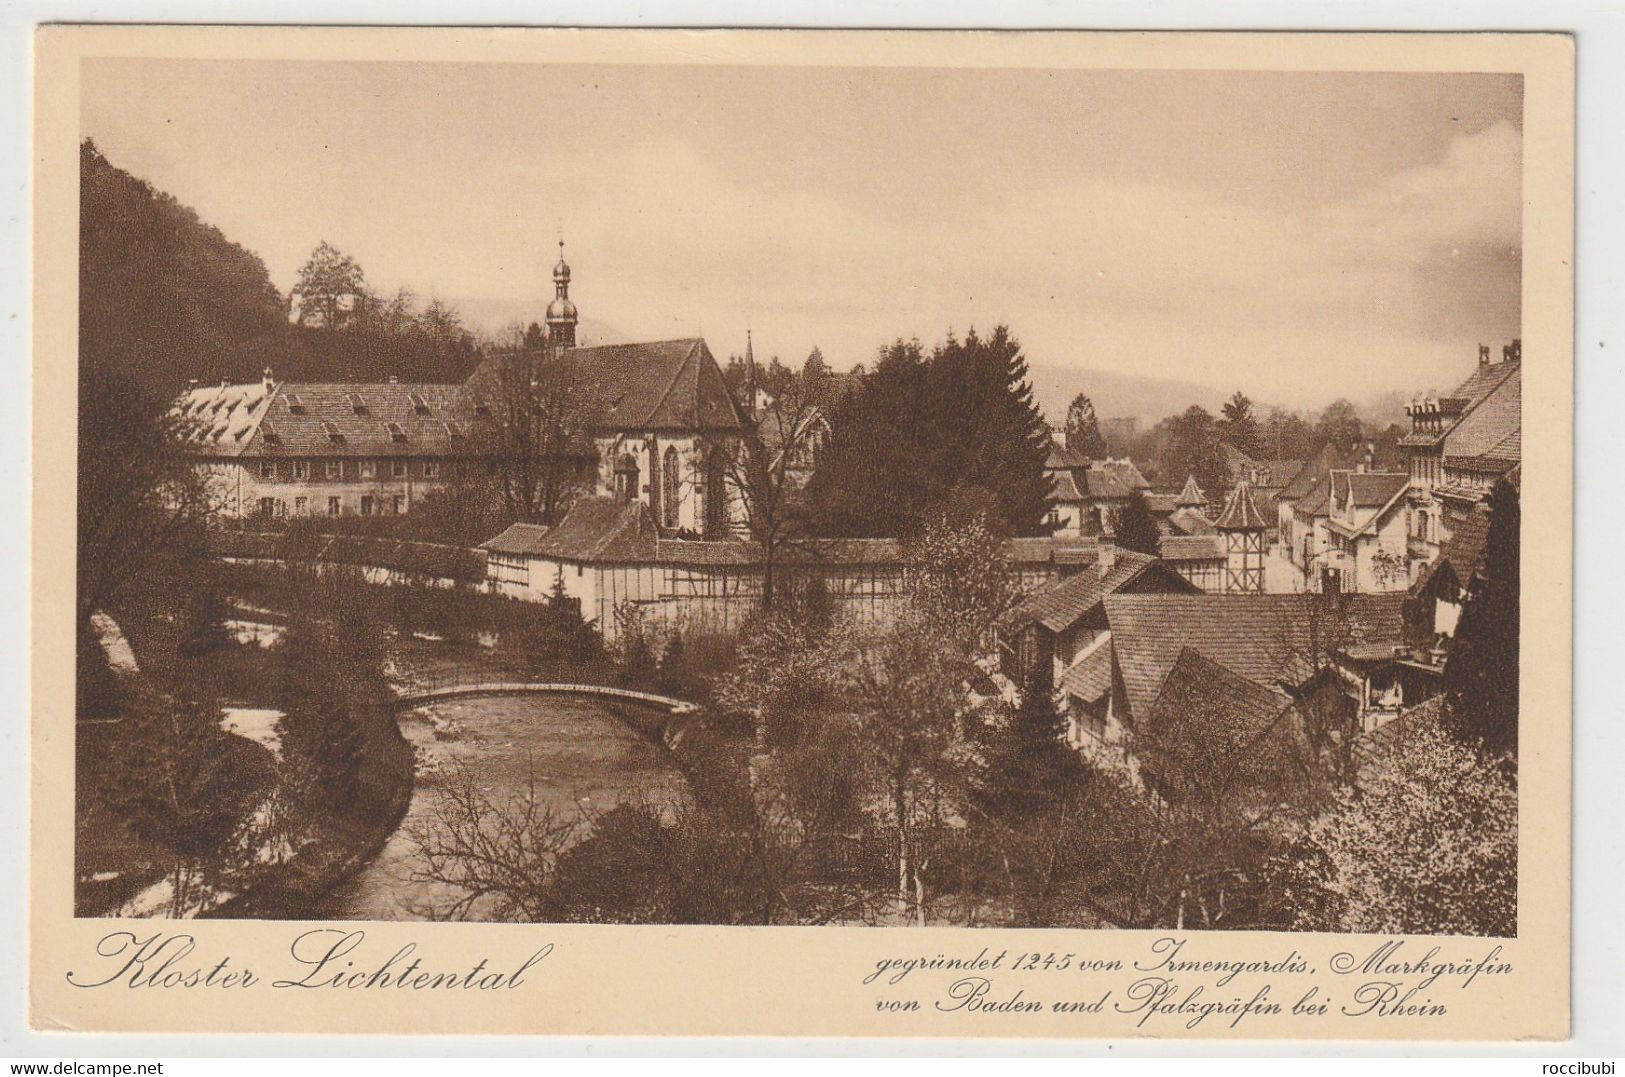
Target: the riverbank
pixel 341 845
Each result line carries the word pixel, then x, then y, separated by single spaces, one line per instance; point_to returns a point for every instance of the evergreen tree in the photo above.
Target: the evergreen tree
pixel 1240 425
pixel 1481 674
pixel 1192 449
pixel 1030 767
pixel 1083 429
pixel 918 428
pixel 1135 529
pixel 535 337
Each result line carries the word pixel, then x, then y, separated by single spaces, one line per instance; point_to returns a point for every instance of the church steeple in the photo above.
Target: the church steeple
pixel 561 313
pixel 750 376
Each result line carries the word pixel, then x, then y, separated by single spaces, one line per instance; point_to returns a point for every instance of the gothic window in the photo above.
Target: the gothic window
pixel 626 477
pixel 668 488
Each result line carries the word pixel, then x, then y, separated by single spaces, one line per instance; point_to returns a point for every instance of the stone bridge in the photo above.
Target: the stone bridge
pixel 416 695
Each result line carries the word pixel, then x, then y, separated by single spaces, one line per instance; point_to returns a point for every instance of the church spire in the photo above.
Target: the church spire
pixel 561 313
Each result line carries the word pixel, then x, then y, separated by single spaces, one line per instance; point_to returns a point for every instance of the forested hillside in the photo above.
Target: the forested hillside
pixel 165 297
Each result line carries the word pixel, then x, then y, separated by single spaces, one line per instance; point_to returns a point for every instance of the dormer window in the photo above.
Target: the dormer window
pixel 419 404
pixel 333 434
pixel 268 432
pixel 358 404
pixel 395 432
pixel 296 406
pixel 454 432
pixel 482 409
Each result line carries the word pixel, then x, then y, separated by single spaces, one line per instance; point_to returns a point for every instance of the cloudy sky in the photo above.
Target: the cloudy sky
pixel 1300 236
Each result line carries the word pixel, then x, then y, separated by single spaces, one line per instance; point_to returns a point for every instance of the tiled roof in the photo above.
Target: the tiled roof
pixel 1212 708
pixel 1127 474
pixel 327 419
pixel 1375 489
pixel 1487 381
pixel 1208 547
pixel 1314 469
pixel 1191 522
pixel 1090 678
pixel 1052 550
pixel 1161 504
pixel 1065 602
pixel 1498 414
pixel 1191 494
pixel 1464 549
pixel 221 420
pixel 1062 458
pixel 1099 483
pixel 1064 490
pixel 595 529
pixel 1265 638
pixel 659 385
pixel 1241 511
pixel 1317 501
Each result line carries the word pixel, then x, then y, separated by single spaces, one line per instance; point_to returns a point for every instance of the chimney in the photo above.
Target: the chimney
pixel 393 380
pixel 1106 558
pixel 267 381
pixel 1483 355
pixel 191 383
pixel 1513 352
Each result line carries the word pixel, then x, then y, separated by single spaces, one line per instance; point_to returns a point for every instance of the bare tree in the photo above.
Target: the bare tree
pixel 490 860
pixel 767 473
pixel 536 431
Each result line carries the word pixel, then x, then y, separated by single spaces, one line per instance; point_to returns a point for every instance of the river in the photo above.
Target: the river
pixel 582 755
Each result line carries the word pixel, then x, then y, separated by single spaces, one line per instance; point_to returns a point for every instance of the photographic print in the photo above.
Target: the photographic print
pixel 951 488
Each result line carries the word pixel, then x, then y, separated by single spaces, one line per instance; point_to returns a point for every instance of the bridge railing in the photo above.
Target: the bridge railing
pixel 451 682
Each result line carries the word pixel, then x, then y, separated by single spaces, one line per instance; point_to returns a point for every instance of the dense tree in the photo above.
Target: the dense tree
pixel 1193 449
pixel 1029 767
pixel 179 785
pixel 1239 426
pixel 1481 673
pixel 1286 435
pixel 1339 425
pixel 815 367
pixel 1427 845
pixel 920 426
pixel 331 292
pixel 159 293
pixel 874 476
pixel 1083 429
pixel 1135 529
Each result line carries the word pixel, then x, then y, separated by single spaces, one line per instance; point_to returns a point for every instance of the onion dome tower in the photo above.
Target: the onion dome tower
pixel 1243 528
pixel 561 313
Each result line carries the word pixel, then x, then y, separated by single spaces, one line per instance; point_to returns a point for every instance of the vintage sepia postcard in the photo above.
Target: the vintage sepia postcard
pixel 627 532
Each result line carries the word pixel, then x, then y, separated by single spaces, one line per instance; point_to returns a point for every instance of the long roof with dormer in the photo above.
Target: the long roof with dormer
pixel 271 419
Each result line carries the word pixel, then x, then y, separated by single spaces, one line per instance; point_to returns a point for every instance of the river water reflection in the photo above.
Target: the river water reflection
pixel 582 754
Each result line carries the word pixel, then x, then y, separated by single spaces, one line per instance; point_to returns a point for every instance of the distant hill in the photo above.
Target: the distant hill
pixel 1118 395
pixel 1152 399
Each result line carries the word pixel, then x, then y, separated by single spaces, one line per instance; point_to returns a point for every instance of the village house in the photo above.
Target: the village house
pixel 608 554
pixel 1087 495
pixel 275 449
pixel 1295 647
pixel 1295 522
pixel 1050 630
pixel 1366 533
pixel 1458 445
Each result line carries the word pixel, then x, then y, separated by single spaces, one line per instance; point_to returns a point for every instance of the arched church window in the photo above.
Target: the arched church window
pixel 668 488
pixel 626 477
